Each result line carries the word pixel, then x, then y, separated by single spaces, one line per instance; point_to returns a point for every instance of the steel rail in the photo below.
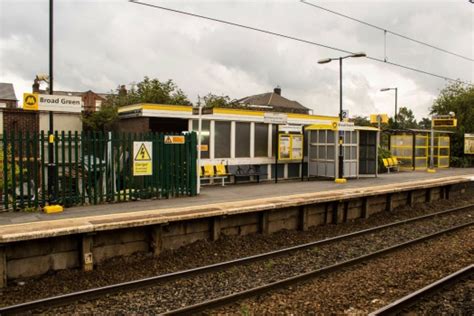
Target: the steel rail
pixel 413 298
pixel 93 293
pixel 232 298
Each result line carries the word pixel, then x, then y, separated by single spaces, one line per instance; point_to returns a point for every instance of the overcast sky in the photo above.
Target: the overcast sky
pixel 101 44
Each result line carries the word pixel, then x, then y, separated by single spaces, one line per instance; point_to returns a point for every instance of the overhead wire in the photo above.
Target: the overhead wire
pixel 386 30
pixel 292 38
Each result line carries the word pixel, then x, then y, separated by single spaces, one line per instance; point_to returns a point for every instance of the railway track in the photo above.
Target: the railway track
pixel 413 298
pixel 161 279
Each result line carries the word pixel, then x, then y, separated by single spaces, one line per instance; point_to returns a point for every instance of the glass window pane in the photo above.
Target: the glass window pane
pixel 222 139
pixel 261 140
pixel 353 152
pixel 322 137
pixel 330 139
pixel 322 152
pixel 331 154
pixel 242 139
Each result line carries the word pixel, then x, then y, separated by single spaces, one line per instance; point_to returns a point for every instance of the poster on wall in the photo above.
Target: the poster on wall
pixel 469 144
pixel 284 147
pixel 297 147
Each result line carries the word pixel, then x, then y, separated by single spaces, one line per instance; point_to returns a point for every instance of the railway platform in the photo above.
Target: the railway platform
pixel 33 244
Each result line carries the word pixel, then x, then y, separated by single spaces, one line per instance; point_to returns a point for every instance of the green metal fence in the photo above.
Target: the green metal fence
pixel 92 168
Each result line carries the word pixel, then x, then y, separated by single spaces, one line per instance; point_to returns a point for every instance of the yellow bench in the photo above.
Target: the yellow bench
pixel 391 163
pixel 211 172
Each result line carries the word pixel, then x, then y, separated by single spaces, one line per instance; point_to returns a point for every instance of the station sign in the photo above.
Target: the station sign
pixel 469 144
pixel 173 139
pixel 345 126
pixel 142 158
pixel 444 122
pixel 291 128
pixel 375 118
pixel 275 118
pixel 47 102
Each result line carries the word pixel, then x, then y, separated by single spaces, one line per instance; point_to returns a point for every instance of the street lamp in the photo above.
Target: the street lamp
pixel 396 99
pixel 340 178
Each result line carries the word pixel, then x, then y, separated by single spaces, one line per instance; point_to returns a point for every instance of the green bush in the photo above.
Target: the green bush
pixel 382 154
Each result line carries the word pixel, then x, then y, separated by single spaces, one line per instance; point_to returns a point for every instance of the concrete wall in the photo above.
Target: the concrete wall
pixel 37 257
pixel 62 122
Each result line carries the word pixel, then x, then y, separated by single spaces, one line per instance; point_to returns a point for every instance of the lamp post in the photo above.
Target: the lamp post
pixel 340 178
pixel 396 100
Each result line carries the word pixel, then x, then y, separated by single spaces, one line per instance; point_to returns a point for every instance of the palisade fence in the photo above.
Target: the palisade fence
pixel 92 168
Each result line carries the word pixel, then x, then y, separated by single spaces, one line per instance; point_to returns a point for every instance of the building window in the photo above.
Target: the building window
pixel 242 139
pixel 261 140
pixel 98 104
pixel 222 139
pixel 205 131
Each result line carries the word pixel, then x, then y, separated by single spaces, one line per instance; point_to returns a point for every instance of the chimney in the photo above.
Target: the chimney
pixel 277 90
pixel 36 86
pixel 122 90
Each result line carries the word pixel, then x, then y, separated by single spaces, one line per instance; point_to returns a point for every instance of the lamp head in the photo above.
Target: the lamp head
pixel 385 89
pixel 359 54
pixel 324 61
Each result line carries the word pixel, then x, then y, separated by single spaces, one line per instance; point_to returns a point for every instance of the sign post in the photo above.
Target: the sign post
pixel 277 119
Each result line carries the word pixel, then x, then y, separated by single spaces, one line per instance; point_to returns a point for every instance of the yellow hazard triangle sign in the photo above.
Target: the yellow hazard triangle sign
pixel 142 154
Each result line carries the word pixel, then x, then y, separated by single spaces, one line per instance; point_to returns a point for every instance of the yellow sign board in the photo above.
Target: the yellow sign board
pixel 445 122
pixel 204 147
pixel 142 158
pixel 290 147
pixel 30 101
pixel 374 118
pixel 171 139
pixel 469 144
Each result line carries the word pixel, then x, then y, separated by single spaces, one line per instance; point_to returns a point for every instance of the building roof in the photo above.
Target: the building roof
pixel 7 92
pixel 275 101
pixel 76 93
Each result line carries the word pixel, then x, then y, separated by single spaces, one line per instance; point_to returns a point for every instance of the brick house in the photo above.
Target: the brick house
pixel 7 96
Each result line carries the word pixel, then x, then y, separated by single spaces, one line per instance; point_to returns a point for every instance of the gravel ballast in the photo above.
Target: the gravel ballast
pixel 203 253
pixel 367 287
pixel 457 299
pixel 214 284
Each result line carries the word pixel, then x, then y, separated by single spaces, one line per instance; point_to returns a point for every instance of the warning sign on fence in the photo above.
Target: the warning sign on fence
pixel 142 158
pixel 171 139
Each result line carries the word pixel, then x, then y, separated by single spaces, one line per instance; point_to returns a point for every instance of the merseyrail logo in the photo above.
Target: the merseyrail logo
pixel 30 101
pixel 143 158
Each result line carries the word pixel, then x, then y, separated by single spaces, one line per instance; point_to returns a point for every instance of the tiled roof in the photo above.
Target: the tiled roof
pixel 274 100
pixel 7 92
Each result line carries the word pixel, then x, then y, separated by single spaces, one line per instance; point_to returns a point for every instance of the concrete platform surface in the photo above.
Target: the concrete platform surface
pixel 214 201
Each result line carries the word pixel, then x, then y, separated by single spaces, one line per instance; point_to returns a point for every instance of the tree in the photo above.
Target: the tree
pixel 361 121
pixel 457 98
pixel 101 120
pixel 425 123
pixel 211 100
pixel 147 91
pixel 405 119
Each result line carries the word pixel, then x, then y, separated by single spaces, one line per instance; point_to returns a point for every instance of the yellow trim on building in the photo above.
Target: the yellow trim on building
pixel 183 108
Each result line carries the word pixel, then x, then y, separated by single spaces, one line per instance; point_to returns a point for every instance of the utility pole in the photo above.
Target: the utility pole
pixel 51 165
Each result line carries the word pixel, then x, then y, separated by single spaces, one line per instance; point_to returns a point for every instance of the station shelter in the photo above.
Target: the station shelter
pixel 359 145
pixel 233 136
pixel 412 147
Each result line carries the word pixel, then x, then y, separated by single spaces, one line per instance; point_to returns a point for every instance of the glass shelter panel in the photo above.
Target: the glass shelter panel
pixel 222 139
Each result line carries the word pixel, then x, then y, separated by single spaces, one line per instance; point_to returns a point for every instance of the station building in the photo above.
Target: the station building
pixel 240 136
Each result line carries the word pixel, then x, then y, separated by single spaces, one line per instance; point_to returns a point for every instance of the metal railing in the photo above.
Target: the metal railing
pixel 92 168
